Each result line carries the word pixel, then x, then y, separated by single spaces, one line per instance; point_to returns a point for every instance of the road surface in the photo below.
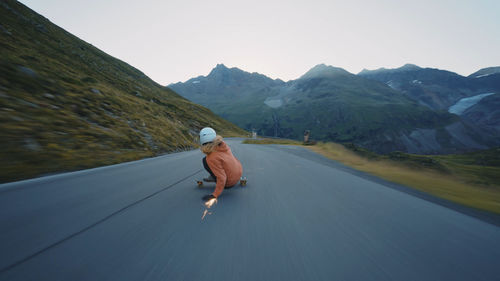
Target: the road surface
pixel 300 217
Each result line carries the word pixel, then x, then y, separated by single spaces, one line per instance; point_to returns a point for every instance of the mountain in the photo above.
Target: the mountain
pixel 334 105
pixel 444 90
pixel 224 84
pixel 434 88
pixel 339 106
pixel 66 105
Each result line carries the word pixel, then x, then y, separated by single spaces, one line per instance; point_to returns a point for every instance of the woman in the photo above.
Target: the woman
pixel 220 163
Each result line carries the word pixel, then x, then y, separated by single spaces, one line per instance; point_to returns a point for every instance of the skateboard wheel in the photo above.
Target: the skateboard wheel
pixel 200 183
pixel 243 181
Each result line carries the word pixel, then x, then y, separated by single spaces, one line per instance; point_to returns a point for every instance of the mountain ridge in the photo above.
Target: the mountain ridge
pixel 435 88
pixel 406 67
pixel 485 72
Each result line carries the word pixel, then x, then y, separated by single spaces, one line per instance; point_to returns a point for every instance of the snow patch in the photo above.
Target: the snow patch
pixel 391 84
pixel 274 103
pixel 484 75
pixel 463 104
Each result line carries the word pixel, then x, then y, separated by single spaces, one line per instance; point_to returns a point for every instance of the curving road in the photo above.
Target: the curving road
pixel 301 217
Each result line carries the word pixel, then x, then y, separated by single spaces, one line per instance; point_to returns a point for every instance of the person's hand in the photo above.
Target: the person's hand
pixel 208 197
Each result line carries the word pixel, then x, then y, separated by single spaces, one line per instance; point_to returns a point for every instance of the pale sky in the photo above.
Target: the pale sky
pixel 175 40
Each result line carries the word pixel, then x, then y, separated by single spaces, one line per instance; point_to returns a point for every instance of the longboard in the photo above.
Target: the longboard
pixel 243 182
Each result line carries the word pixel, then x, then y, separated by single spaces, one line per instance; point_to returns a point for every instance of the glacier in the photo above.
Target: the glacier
pixel 463 104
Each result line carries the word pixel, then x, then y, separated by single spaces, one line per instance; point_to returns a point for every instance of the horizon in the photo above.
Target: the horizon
pixel 174 42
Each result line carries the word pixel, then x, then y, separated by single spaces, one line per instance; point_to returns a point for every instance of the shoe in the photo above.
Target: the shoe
pixel 209 179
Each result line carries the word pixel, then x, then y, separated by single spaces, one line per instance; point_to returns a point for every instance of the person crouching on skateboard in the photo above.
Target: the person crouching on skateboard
pixel 220 163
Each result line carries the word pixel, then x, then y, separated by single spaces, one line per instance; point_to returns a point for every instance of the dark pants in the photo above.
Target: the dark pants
pixel 205 165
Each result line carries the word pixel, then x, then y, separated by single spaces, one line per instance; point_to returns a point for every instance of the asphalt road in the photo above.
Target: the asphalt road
pixel 299 218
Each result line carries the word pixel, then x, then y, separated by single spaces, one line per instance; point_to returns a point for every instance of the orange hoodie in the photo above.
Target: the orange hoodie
pixel 225 167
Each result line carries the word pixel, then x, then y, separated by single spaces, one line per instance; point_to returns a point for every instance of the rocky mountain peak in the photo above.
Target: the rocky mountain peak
pixel 322 71
pixel 219 68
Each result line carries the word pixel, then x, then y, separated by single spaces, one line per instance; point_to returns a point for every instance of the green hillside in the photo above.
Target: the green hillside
pixel 65 105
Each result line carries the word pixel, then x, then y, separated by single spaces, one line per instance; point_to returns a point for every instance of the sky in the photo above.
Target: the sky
pixel 175 40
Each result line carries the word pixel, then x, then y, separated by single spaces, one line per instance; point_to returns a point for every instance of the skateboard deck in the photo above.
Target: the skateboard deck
pixel 243 182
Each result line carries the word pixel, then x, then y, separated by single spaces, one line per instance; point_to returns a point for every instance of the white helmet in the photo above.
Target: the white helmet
pixel 207 135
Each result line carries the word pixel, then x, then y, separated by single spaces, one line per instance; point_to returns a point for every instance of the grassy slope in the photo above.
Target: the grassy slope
pixel 459 178
pixel 65 105
pixel 471 179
